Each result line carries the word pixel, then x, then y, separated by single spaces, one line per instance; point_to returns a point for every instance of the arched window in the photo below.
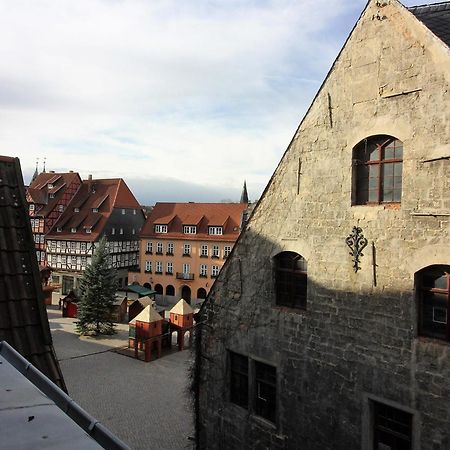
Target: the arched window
pixel 170 290
pixel 147 285
pixel 377 170
pixel 201 293
pixel 290 280
pixel 159 289
pixel 433 291
pixel 186 293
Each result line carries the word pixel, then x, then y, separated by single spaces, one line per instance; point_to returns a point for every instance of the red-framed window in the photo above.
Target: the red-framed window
pixel 378 166
pixel 433 288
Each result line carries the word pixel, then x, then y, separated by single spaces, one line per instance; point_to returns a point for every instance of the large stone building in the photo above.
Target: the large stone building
pixel 328 327
pixel 184 246
pixel 101 207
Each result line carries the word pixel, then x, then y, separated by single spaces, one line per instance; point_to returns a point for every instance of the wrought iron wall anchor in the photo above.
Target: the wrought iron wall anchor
pixel 356 242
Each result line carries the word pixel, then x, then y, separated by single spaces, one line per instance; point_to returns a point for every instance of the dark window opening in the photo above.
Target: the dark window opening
pixel 392 428
pixel 159 289
pixel 433 289
pixel 239 379
pixel 266 391
pixel 378 163
pixel 291 280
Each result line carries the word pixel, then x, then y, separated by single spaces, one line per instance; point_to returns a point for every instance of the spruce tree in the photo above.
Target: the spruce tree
pixel 97 292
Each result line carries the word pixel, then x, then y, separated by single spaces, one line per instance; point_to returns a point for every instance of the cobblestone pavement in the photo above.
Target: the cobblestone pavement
pixel 144 404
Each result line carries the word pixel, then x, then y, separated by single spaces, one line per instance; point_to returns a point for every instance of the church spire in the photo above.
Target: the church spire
pixel 45 159
pixel 244 195
pixel 36 172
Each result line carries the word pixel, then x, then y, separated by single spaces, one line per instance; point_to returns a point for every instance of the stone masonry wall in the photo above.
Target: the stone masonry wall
pixel 356 340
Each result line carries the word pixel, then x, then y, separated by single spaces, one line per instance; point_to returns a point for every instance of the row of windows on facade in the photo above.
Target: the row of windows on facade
pixel 76 262
pixel 88 230
pixel 189 229
pixel 85 247
pixel 253 386
pixel 432 289
pixel 61 207
pixel 187 249
pixel 186 269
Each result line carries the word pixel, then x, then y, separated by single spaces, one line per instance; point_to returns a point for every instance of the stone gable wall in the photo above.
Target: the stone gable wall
pixel 356 340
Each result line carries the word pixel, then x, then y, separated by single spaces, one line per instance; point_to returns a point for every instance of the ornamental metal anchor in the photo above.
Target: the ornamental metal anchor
pixel 356 242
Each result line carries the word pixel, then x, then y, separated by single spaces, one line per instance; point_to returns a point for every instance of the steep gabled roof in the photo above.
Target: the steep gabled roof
pixel 103 195
pixel 436 17
pixel 47 189
pixel 203 215
pixel 23 317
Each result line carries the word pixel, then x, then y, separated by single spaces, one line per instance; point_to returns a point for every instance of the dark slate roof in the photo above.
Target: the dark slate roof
pixel 436 17
pixel 23 317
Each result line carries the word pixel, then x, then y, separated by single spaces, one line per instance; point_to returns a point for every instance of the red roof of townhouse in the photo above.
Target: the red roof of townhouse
pixel 47 189
pixel 202 215
pixel 91 207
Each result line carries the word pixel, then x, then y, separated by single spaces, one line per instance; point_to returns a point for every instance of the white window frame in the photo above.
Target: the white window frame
pixel 215 271
pixel 204 250
pixel 189 229
pixel 159 247
pixel 149 247
pixel 203 270
pixel 170 248
pixel 169 267
pixel 226 251
pixel 186 249
pixel 215 251
pixel 158 268
pixel 186 268
pixel 215 231
pixel 148 266
pixel 160 228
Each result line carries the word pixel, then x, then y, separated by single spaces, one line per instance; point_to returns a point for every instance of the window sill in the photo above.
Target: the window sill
pixel 215 257
pixel 149 253
pixel 169 254
pixel 186 254
pixel 214 276
pixel 203 256
pixel 266 422
pixel 381 206
pixel 147 271
pixel 432 340
pixel 158 273
pixel 158 253
pixel 169 273
pixel 203 276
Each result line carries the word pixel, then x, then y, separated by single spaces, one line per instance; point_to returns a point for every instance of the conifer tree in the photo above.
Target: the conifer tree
pixel 97 292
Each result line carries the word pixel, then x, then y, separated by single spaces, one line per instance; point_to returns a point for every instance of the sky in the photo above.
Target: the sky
pixel 183 99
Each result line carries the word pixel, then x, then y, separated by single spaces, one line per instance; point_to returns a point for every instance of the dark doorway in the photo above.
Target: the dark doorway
pixel 159 289
pixel 201 293
pixel 170 290
pixel 186 293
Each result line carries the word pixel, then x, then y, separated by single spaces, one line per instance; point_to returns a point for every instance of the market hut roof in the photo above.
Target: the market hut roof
pixel 182 308
pixel 148 315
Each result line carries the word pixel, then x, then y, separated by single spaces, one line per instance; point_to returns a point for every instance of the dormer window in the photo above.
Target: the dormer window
pixel 60 208
pixel 50 185
pixel 76 209
pixel 89 230
pixel 51 195
pixel 73 230
pixel 189 229
pixel 123 211
pixel 215 230
pixel 58 229
pixel 94 210
pixel 160 228
pixel 31 207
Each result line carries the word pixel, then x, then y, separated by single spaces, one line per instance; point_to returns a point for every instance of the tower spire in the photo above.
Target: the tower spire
pixel 36 172
pixel 244 195
pixel 45 159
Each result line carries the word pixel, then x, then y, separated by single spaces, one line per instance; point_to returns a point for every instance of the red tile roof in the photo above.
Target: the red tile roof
pixel 39 191
pixel 104 195
pixel 203 215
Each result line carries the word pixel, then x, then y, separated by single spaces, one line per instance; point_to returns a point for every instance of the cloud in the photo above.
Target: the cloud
pixel 198 94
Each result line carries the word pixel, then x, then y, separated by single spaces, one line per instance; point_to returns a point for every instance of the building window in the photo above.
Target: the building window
pixel 50 185
pixel 392 428
pixel 31 207
pixel 83 246
pixel 121 231
pixel 169 270
pixel 203 270
pixel 189 229
pixel 253 386
pixel 215 251
pixel 239 379
pixel 160 228
pixel 123 211
pixel 159 248
pixel 148 266
pixel 186 269
pixel 290 280
pixel 169 248
pixel 88 230
pixel 377 163
pixel 149 248
pixel 60 208
pixel 186 249
pixel 215 230
pixel 113 231
pixel 133 231
pixel 215 271
pixel 134 212
pixel 58 229
pixel 204 250
pixel 95 210
pixel 433 291
pixel 51 195
pixel 73 230
pixel 226 251
pixel 158 267
pixel 76 209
